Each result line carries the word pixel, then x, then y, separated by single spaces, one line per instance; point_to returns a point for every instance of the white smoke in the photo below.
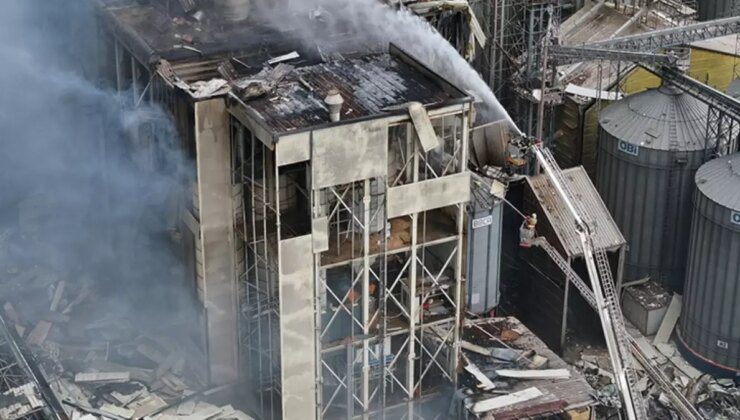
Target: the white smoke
pixel 73 201
pixel 377 24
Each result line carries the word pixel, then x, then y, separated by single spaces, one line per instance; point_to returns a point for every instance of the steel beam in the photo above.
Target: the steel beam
pixel 707 94
pixel 564 55
pixel 684 35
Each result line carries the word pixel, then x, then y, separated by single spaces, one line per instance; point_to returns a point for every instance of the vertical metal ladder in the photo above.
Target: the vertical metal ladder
pixel 653 370
pixel 604 291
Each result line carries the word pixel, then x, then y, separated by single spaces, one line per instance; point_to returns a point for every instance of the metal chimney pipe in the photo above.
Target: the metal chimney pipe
pixel 233 10
pixel 334 101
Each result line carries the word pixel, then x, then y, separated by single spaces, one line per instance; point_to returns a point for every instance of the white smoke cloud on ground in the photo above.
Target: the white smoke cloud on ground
pixel 73 202
pixel 379 24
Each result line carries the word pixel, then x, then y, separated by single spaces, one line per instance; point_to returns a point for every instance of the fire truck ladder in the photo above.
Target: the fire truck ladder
pixel 684 407
pixel 604 291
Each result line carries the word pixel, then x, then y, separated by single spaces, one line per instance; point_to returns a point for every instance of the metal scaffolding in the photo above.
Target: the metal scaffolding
pixel 520 29
pixel 258 297
pixel 387 301
pixel 24 393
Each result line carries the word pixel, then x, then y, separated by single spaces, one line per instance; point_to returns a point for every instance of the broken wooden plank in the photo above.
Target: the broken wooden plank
pixel 506 400
pixel 669 321
pixel 58 294
pixel 148 405
pixel 466 345
pixel 423 125
pixel 187 408
pixel 117 411
pixel 103 377
pixel 37 336
pixel 126 399
pixel 485 383
pixel 534 374
pixel 286 57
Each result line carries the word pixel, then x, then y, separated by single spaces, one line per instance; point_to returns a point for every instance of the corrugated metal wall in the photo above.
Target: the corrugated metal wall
pixel 715 9
pixel 636 191
pixel 484 257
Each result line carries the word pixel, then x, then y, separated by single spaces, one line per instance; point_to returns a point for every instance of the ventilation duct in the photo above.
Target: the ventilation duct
pixel 233 10
pixel 334 102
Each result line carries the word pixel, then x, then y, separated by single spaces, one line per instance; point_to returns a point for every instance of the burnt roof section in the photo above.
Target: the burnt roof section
pixel 372 85
pixel 152 32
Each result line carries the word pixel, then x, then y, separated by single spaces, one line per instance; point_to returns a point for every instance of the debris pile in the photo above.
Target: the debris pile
pixel 100 359
pixel 19 402
pixel 510 373
pixel 713 398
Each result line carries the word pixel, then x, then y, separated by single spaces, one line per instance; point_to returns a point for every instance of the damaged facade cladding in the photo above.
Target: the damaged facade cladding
pixel 306 252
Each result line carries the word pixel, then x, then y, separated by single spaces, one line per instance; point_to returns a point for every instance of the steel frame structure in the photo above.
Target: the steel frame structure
pixel 258 295
pixel 18 376
pixel 377 346
pixel 571 55
pixel 684 35
pixel 723 118
pixel 519 29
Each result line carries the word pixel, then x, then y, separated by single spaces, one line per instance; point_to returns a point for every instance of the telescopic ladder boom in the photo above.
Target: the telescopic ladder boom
pixel 604 291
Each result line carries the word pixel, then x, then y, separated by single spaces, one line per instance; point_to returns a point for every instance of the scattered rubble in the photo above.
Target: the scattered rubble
pixel 19 402
pixel 713 398
pixel 518 376
pixel 97 361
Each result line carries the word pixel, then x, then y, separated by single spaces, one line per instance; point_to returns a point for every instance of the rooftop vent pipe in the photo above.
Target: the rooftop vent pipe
pixel 233 10
pixel 334 101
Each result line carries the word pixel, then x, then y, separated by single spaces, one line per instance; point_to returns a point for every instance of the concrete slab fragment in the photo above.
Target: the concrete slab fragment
pixel 506 400
pixel 294 148
pixel 423 125
pixel 349 153
pixel 669 321
pixel 428 195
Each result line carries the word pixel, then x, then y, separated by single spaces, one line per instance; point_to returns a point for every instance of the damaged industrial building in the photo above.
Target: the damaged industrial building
pixel 371 209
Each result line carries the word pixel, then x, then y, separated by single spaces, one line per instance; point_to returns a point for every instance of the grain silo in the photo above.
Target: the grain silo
pixel 651 144
pixel 709 331
pixel 717 9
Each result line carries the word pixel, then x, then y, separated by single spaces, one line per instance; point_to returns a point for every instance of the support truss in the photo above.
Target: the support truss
pixel 671 37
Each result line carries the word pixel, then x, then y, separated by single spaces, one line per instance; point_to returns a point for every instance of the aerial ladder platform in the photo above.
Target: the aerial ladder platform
pixel 605 296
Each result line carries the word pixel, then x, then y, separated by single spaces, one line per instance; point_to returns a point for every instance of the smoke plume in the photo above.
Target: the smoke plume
pixel 373 23
pixel 75 204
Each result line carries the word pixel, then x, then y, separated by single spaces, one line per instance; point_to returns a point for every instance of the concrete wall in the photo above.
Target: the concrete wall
pixel 213 143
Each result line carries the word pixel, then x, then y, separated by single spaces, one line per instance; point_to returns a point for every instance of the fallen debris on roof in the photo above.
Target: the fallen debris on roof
pixel 19 402
pixel 104 377
pixel 506 400
pixel 484 382
pixel 516 367
pixel 534 374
